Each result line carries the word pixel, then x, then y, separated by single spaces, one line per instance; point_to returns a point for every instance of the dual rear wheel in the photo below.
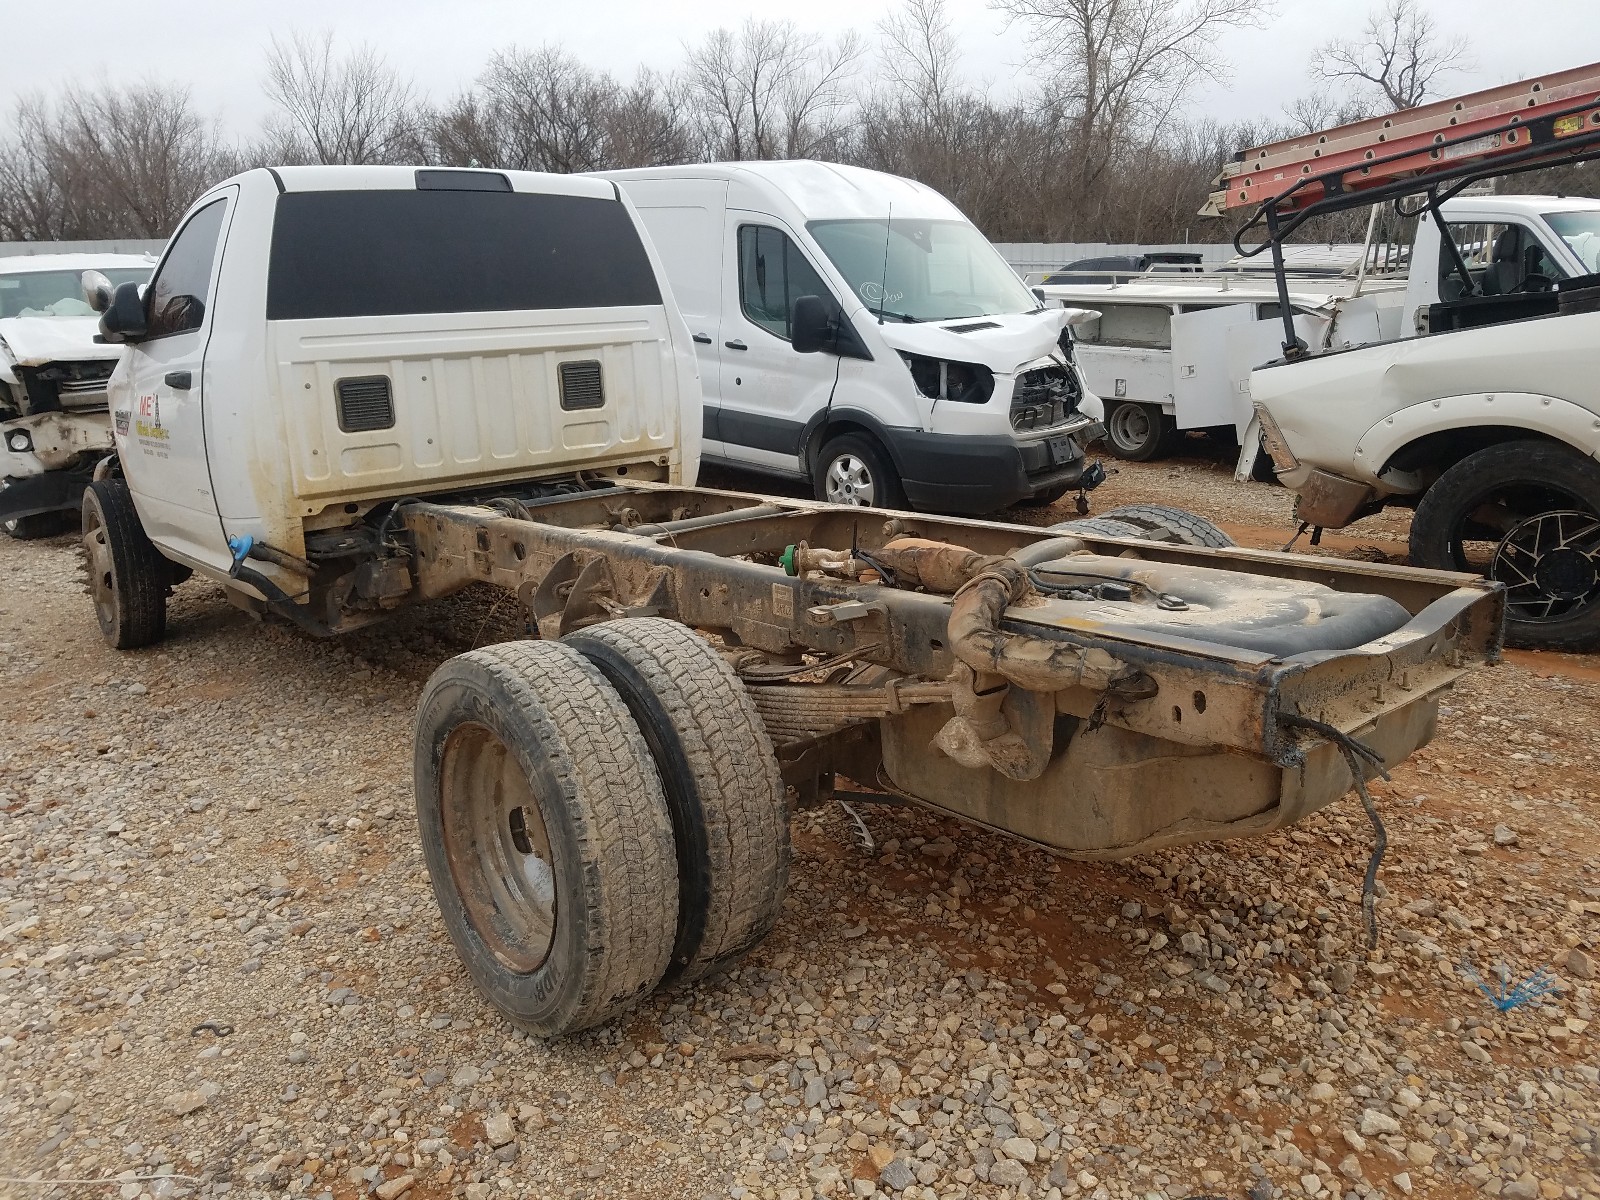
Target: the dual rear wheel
pixel 598 816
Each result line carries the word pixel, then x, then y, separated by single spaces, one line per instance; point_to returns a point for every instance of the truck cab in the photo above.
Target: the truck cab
pixel 317 340
pixel 1505 257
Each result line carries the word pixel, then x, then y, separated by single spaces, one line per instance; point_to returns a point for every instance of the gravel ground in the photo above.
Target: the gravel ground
pixel 221 965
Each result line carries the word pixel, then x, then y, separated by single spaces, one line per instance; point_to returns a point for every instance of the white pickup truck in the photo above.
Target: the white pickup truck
pixel 1482 410
pixel 53 419
pixel 348 390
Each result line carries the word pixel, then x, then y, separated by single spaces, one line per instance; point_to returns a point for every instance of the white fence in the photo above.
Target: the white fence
pixel 118 246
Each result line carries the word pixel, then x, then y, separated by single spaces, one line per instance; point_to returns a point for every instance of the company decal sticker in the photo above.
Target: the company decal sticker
pixel 147 428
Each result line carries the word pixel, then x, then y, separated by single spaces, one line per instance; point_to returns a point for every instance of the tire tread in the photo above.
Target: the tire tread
pixel 734 788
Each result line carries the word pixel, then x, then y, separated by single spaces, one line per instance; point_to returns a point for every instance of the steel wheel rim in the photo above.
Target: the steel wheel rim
pixel 1550 564
pixel 498 847
pixel 102 570
pixel 849 481
pixel 1130 426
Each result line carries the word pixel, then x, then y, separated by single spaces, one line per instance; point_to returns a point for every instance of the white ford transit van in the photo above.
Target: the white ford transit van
pixel 928 375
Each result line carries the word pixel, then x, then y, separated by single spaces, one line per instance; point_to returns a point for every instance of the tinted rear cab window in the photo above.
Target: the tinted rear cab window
pixel 390 253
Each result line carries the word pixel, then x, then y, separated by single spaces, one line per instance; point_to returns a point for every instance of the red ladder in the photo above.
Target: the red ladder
pixel 1512 120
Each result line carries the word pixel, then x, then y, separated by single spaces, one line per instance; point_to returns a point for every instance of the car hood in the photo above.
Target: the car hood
pixel 1006 342
pixel 34 341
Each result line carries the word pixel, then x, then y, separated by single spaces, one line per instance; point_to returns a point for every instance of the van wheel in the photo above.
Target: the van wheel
pixel 546 835
pixel 854 469
pixel 1179 526
pixel 1528 515
pixel 1138 432
pixel 730 816
pixel 128 577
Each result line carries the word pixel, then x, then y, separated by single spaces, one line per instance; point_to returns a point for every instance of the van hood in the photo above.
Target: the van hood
pixel 1003 342
pixel 34 341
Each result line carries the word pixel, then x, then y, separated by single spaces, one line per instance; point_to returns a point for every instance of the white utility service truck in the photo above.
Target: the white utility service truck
pixel 348 390
pixel 1482 410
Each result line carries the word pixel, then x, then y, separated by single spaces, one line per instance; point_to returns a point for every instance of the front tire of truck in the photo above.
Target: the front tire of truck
pixel 128 577
pixel 730 815
pixel 1528 515
pixel 1138 432
pixel 546 835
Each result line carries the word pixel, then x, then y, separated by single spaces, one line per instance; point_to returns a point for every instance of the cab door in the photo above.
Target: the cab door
pixel 768 390
pixel 161 437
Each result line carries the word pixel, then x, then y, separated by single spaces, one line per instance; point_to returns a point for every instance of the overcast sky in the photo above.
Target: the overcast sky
pixel 216 48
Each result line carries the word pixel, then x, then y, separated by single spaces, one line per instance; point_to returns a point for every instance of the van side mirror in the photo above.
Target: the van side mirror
pixel 811 325
pixel 124 320
pixel 1038 294
pixel 97 291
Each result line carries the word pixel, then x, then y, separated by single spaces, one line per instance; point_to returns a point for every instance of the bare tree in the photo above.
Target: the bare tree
pixel 1321 110
pixel 1401 53
pixel 350 109
pixel 115 162
pixel 1118 68
pixel 543 110
pixel 770 91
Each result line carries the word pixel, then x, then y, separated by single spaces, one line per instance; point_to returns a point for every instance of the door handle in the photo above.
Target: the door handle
pixel 736 345
pixel 180 381
pixel 703 338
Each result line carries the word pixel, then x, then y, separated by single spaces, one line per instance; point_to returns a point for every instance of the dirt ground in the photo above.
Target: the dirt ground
pixel 222 971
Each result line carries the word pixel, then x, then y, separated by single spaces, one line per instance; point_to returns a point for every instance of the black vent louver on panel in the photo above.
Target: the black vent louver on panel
pixel 580 385
pixel 365 403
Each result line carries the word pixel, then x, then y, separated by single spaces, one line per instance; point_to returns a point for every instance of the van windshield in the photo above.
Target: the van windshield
pixel 935 270
pixel 1581 232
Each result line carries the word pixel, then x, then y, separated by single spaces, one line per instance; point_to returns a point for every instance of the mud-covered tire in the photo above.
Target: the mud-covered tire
pixel 128 578
pixel 1522 479
pixel 572 922
pixel 1178 526
pixel 720 774
pixel 1101 527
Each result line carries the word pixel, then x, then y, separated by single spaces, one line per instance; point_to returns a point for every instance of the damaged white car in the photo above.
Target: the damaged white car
pixel 54 423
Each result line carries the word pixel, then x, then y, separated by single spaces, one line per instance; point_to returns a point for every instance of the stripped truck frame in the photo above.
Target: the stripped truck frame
pixel 332 434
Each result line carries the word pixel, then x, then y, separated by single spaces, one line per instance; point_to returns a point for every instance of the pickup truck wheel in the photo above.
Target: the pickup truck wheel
pixel 1164 523
pixel 1138 432
pixel 546 835
pixel 730 815
pixel 854 469
pixel 128 577
pixel 1528 515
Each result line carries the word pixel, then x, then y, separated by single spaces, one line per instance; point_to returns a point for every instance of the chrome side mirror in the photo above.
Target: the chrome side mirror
pixel 97 291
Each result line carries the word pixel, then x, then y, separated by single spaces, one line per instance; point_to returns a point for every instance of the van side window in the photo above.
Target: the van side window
pixel 177 297
pixel 772 275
